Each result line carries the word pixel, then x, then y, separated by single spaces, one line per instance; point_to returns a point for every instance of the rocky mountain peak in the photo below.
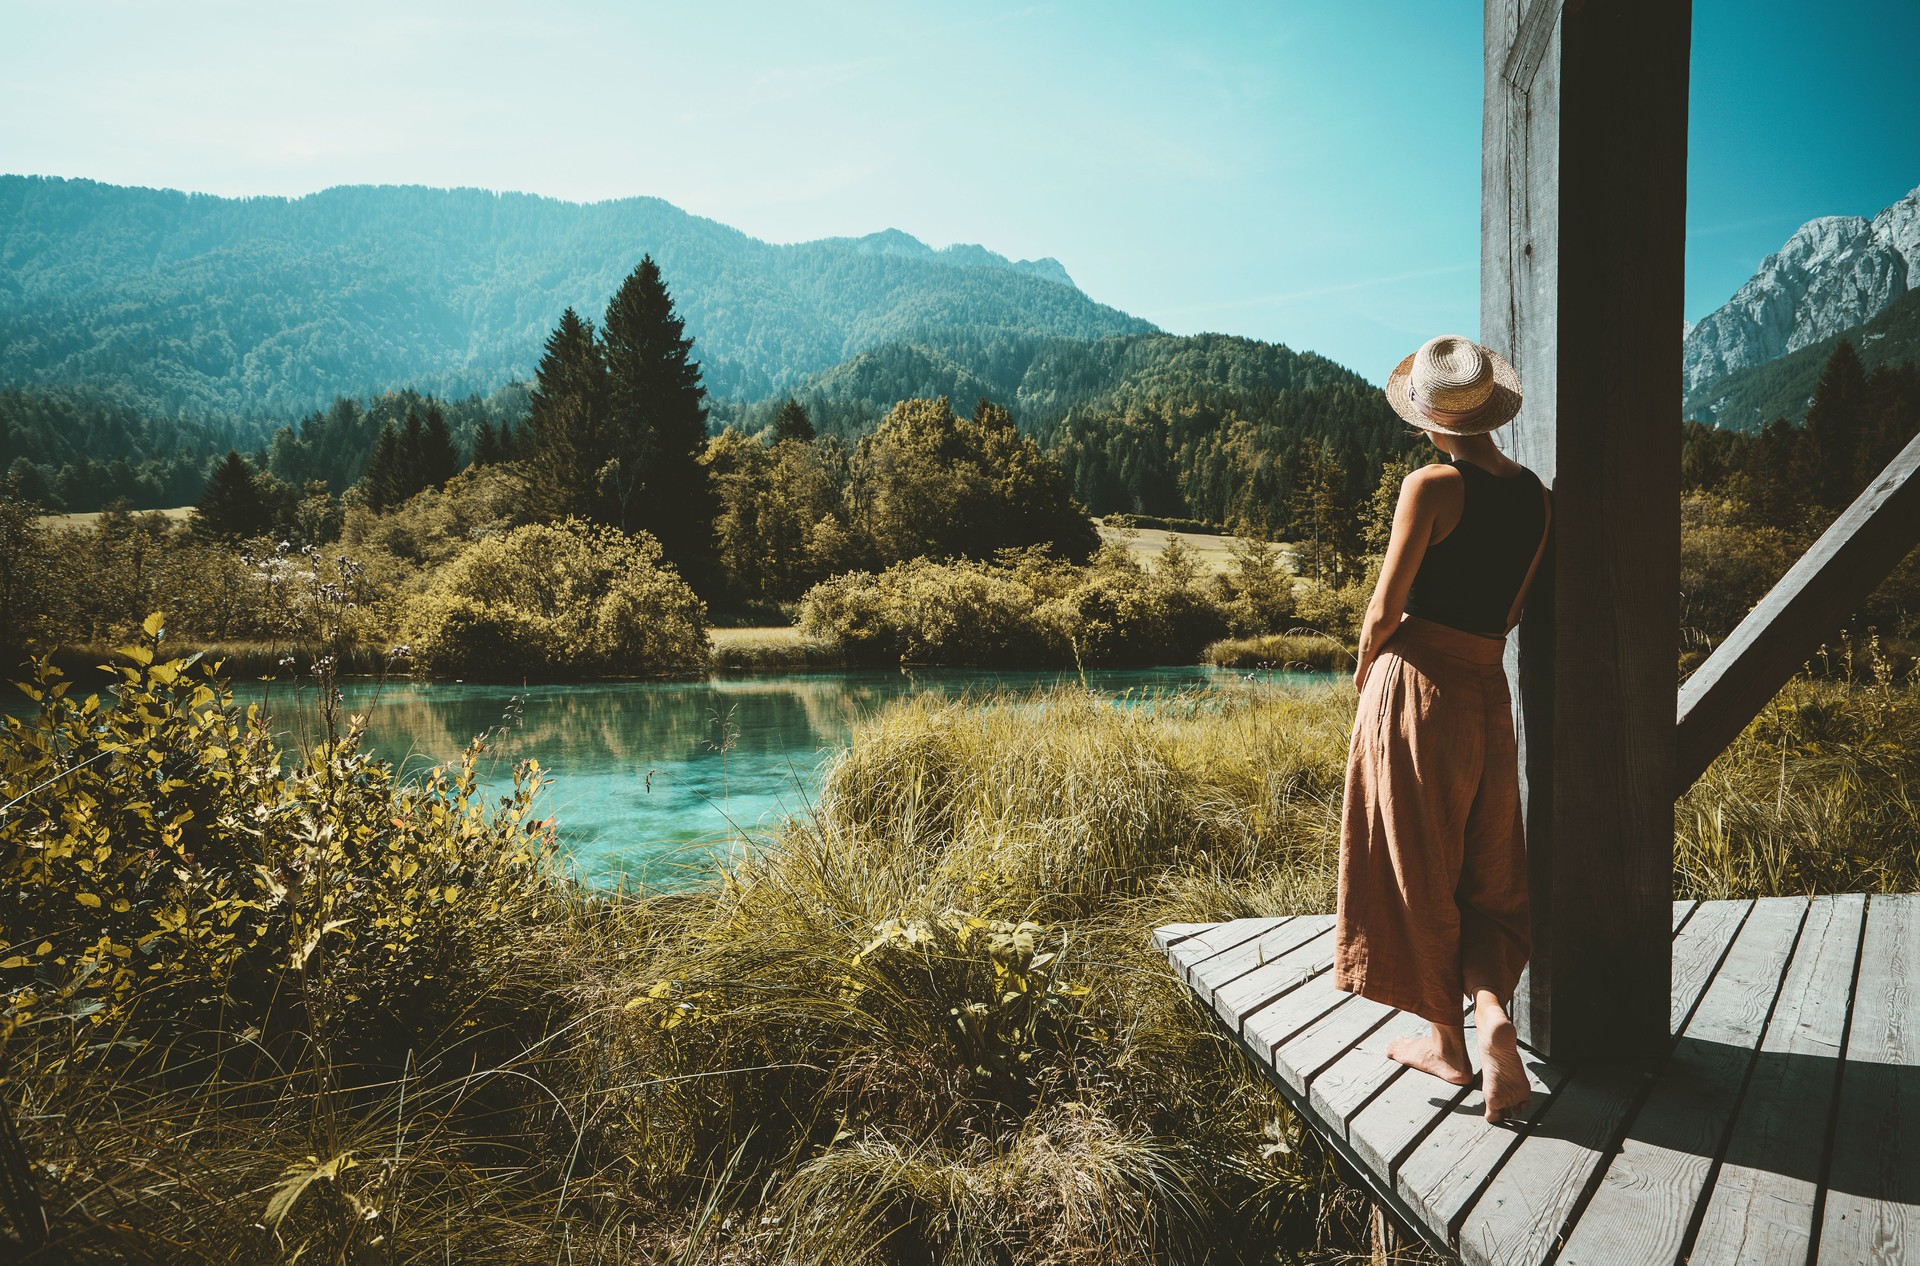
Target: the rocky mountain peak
pixel 1834 273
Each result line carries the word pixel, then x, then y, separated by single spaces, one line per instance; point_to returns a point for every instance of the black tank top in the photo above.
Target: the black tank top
pixel 1468 579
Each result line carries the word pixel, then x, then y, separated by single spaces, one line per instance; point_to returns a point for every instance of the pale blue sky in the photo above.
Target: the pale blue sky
pixel 1306 172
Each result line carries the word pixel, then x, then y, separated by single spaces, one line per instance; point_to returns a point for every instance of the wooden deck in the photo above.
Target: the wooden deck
pixel 1783 1124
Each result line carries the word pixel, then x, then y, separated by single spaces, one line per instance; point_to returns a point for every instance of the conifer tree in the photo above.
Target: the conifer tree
pixel 232 507
pixel 439 460
pixel 564 439
pixel 651 477
pixel 411 476
pixel 486 444
pixel 1836 423
pixel 792 423
pixel 385 471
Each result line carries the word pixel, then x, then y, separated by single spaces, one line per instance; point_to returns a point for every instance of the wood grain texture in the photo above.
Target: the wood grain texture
pixel 1648 1192
pixel 1399 1116
pixel 1806 608
pixel 1248 996
pixel 1583 209
pixel 1168 935
pixel 1451 1166
pixel 1872 1212
pixel 1218 939
pixel 1697 950
pixel 1214 975
pixel 1524 1209
pixel 1615 1162
pixel 1309 1051
pixel 1351 1081
pixel 1760 1212
pixel 1277 1024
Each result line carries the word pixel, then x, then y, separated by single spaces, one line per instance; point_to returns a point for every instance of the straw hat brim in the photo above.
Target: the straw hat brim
pixel 1501 407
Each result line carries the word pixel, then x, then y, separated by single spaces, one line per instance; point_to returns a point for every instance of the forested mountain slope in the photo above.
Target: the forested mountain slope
pixel 1748 399
pixel 274 306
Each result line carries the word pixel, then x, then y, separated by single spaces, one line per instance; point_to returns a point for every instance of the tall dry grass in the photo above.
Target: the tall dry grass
pixel 923 1023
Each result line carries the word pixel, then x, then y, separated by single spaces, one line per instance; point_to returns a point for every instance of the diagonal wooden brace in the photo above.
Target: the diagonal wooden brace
pixel 1831 579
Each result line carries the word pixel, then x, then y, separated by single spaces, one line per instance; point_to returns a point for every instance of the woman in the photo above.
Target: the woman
pixel 1433 869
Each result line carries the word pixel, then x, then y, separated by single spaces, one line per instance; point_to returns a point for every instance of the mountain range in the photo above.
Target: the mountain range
pixel 1745 364
pixel 258 310
pixel 274 306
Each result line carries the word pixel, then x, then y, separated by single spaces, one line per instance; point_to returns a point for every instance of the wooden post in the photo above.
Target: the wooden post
pixel 1582 240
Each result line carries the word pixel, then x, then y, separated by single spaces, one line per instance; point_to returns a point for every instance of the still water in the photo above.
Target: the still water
pixel 651 780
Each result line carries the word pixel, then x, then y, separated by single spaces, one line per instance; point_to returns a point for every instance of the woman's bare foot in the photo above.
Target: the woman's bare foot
pixel 1441 1052
pixel 1503 1077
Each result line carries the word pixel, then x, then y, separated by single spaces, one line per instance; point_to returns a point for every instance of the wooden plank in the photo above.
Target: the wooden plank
pixel 1644 1204
pixel 1327 1039
pixel 1275 1025
pixel 1171 934
pixel 1246 997
pixel 1681 909
pixel 1582 243
pixel 1442 1175
pixel 1761 1207
pixel 1697 951
pixel 1804 609
pixel 1520 1214
pixel 1398 1117
pixel 1223 969
pixel 1872 1211
pixel 1217 939
pixel 1519 1217
pixel 1350 1082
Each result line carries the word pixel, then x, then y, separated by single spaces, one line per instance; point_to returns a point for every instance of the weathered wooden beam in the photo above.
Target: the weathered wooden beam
pixel 1806 607
pixel 1582 241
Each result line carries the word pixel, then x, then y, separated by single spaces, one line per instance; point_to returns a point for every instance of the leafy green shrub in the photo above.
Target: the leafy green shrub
pixel 923 612
pixel 257 1003
pixel 1336 610
pixel 1027 610
pixel 557 600
pixel 162 866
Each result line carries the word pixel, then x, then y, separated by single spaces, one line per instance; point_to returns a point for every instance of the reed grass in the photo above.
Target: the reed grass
pixel 1293 652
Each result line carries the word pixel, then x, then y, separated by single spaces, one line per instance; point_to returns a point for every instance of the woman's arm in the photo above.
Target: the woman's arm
pixel 1426 496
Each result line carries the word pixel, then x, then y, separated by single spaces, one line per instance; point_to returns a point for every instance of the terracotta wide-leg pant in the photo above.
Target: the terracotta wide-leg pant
pixel 1433 865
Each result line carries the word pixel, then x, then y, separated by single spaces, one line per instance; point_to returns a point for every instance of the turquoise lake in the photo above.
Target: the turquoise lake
pixel 652 779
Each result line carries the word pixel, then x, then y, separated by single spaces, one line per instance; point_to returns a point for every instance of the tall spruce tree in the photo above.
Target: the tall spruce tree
pixel 439 460
pixel 412 476
pixel 651 477
pixel 486 444
pixel 565 434
pixel 1836 425
pixel 232 507
pixel 792 423
pixel 381 484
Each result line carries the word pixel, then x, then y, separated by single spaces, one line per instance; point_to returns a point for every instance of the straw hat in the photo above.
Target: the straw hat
pixel 1456 386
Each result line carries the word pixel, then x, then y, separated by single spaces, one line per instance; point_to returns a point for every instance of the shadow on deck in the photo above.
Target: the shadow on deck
pixel 1783 1125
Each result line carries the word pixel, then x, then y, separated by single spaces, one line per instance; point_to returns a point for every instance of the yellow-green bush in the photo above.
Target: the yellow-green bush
pixel 1289 652
pixel 557 600
pixel 163 864
pixel 1027 610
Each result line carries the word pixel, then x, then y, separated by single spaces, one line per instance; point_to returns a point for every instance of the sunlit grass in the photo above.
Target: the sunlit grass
pixel 922 1022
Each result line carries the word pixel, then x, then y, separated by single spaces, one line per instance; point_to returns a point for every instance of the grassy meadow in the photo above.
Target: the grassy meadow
pixel 267 1005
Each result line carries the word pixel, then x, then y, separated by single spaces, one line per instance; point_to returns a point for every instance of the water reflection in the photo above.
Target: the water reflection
pixel 651 779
